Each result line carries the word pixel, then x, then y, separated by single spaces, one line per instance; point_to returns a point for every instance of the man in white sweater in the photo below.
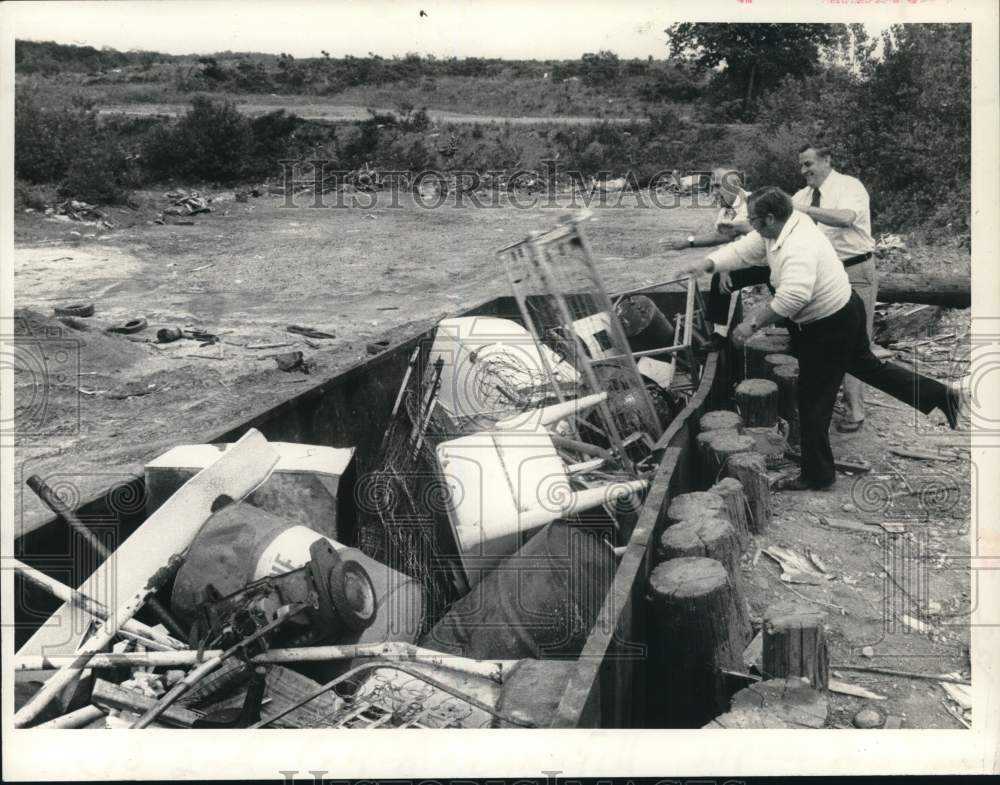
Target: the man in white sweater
pixel 812 291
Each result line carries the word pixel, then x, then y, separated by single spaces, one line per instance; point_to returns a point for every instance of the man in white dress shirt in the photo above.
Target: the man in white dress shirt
pixel 827 326
pixel 838 203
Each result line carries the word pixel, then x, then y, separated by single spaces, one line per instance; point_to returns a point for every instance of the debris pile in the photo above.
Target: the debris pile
pixel 184 203
pixel 80 212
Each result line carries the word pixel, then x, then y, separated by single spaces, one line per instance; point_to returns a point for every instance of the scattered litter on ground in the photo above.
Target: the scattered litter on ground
pixel 128 328
pixel 846 688
pixel 294 361
pixel 795 568
pixel 848 525
pixel 867 719
pixel 309 332
pixel 268 345
pixel 914 624
pixel 78 310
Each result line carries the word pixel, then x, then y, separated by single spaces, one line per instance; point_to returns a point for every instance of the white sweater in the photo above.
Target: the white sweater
pixel 809 279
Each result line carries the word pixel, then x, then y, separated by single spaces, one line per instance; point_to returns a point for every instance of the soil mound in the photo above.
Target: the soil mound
pixel 98 351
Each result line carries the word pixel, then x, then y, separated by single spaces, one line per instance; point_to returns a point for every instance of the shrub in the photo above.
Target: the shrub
pixel 99 173
pixel 211 142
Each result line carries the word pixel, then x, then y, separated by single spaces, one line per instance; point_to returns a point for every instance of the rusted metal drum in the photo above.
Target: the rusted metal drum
pixel 241 543
pixel 539 603
pixel 645 325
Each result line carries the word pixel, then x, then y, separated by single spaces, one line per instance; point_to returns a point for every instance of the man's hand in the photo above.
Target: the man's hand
pixel 742 332
pixel 725 283
pixel 675 245
pixel 697 268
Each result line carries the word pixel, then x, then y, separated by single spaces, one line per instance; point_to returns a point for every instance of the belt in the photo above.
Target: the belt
pixel 850 261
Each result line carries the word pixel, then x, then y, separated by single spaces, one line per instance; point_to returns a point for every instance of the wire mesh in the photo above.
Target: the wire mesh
pixel 402 495
pixel 387 694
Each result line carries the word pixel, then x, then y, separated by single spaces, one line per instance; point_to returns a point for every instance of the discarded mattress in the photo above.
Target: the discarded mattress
pixel 539 603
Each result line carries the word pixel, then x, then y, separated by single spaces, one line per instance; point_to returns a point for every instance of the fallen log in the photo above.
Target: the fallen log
pixel 951 291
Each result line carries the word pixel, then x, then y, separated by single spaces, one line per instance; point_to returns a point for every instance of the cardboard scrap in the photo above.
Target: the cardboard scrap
pixel 795 567
pixel 960 693
pixel 848 524
pixel 914 624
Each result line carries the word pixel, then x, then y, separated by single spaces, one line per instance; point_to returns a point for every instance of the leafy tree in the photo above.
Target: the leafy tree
pixel 600 68
pixel 211 142
pixel 753 58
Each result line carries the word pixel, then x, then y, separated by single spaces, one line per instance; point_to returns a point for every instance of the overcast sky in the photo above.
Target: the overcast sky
pixel 525 29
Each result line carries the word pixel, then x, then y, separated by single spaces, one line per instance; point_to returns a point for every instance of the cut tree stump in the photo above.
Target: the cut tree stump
pixel 951 291
pixel 757 402
pixel 787 379
pixel 713 537
pixel 749 468
pixel 703 440
pixel 731 491
pixel 688 506
pixel 776 703
pixel 795 644
pixel 771 443
pixel 720 451
pixel 758 347
pixel 720 420
pixel 772 361
pixel 701 629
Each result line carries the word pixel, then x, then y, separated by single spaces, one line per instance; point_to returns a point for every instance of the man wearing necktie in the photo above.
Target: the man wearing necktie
pixel 838 204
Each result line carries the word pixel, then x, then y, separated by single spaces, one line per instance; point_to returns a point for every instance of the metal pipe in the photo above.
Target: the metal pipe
pixel 60 508
pixel 405 669
pixel 75 719
pixel 495 670
pixel 207 667
pixel 648 287
pixel 96 609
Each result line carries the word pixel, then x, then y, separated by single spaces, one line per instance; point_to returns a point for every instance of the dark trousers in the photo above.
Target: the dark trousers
pixel 717 307
pixel 827 349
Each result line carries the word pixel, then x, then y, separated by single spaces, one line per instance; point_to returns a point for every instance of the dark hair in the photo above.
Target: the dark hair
pixel 821 150
pixel 770 199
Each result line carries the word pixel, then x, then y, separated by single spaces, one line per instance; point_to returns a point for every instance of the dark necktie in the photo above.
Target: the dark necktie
pixel 815 199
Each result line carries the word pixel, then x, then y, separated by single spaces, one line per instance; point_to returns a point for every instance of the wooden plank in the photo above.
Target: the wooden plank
pixel 111 696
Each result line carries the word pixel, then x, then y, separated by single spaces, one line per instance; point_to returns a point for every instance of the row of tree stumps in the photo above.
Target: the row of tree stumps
pixel 697 588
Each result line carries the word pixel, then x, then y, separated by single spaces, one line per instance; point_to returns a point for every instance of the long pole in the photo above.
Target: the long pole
pixel 88 604
pixel 54 503
pixel 495 670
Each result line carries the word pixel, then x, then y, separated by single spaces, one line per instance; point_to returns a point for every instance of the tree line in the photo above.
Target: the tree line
pixel 895 110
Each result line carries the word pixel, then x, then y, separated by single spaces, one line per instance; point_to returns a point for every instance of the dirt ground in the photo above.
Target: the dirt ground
pixel 98 405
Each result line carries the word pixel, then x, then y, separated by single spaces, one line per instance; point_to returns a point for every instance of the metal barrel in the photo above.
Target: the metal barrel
pixel 645 325
pixel 539 603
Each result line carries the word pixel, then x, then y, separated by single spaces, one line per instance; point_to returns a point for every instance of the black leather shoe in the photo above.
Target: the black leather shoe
pixel 953 406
